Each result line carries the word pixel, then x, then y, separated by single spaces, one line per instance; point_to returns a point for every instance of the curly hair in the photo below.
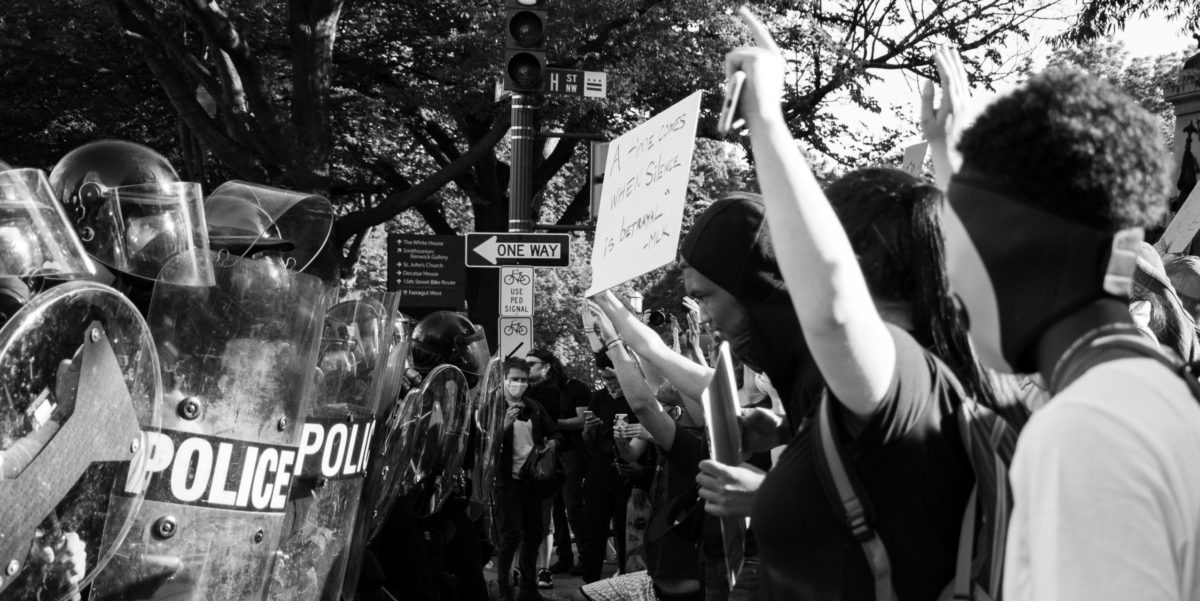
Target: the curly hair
pixel 1077 147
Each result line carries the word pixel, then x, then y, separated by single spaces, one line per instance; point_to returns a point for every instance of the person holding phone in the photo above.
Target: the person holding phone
pixel 605 491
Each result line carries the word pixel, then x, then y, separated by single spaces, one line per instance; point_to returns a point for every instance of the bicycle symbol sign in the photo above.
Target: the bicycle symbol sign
pixel 516 277
pixel 516 336
pixel 516 292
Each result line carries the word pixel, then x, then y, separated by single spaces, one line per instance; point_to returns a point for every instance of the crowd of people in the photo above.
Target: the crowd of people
pixel 981 384
pixel 978 386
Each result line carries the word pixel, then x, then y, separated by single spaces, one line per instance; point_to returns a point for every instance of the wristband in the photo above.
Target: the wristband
pixel 611 344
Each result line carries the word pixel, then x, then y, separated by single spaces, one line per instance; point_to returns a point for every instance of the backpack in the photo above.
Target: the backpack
pixel 989 442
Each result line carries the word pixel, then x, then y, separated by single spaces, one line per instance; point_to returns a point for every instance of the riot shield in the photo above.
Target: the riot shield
pixel 391 387
pixel 489 425
pixel 238 350
pixel 324 502
pixel 420 435
pixel 79 381
pixel 247 216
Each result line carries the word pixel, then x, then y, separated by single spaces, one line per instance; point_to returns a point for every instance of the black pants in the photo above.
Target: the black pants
pixel 568 507
pixel 605 496
pixel 519 521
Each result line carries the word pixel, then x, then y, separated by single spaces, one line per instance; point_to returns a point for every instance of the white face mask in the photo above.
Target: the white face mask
pixel 516 389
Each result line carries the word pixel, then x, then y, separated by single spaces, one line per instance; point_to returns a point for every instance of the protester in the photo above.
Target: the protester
pixel 1057 179
pixel 544 388
pixel 865 272
pixel 574 397
pixel 1184 273
pixel 671 555
pixel 1166 319
pixel 519 512
pixel 604 489
pixel 676 423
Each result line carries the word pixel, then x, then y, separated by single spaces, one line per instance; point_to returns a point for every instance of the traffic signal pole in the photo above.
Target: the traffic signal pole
pixel 520 180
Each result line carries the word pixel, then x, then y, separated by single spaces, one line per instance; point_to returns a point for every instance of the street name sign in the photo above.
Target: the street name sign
pixel 571 82
pixel 526 250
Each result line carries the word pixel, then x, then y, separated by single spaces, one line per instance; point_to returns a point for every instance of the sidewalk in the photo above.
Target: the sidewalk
pixel 565 585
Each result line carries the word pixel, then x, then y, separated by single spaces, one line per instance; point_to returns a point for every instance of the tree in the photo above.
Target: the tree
pixel 1146 79
pixel 386 106
pixel 1098 19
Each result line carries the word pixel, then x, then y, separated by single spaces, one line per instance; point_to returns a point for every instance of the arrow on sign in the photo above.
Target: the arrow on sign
pixel 491 250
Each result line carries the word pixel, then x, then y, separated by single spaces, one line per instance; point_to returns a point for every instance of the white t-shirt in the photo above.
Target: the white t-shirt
pixel 1106 487
pixel 522 444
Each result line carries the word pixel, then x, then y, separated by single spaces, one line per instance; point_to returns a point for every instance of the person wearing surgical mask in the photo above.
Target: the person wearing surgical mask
pixel 527 426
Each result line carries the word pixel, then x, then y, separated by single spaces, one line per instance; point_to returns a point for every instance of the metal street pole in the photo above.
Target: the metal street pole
pixel 520 181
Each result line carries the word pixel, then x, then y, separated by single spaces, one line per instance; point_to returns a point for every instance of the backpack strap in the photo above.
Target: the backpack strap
pixel 966 546
pixel 849 500
pixel 1102 346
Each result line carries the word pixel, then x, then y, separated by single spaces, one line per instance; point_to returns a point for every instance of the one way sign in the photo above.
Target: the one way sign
pixel 530 250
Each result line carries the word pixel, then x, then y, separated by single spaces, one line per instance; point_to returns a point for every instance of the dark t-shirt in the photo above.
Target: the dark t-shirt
pixel 549 395
pixel 911 461
pixel 575 394
pixel 605 408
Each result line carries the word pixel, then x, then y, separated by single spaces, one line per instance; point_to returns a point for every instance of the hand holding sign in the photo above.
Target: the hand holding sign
pixel 762 94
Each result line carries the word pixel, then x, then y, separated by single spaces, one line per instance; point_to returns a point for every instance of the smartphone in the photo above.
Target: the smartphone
pixel 591 328
pixel 729 120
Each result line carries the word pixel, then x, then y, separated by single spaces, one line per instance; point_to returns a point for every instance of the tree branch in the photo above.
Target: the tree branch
pixel 399 202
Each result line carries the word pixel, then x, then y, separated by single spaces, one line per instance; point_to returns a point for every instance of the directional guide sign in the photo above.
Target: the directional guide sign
pixel 516 336
pixel 516 292
pixel 529 250
pixel 427 270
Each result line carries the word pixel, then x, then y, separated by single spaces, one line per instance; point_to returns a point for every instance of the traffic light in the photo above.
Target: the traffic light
pixel 525 48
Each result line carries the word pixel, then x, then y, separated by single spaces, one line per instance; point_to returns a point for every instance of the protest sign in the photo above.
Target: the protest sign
pixel 641 206
pixel 720 401
pixel 1183 226
pixel 914 158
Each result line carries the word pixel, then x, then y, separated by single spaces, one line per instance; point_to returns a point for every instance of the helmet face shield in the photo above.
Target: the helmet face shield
pixel 35 238
pixel 245 218
pixel 137 229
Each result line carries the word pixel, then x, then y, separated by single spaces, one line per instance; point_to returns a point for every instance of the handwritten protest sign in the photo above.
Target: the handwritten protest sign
pixel 645 185
pixel 1183 226
pixel 914 158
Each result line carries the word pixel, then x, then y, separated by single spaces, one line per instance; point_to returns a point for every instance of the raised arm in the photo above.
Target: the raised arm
pixel 638 393
pixel 943 125
pixel 841 325
pixel 688 376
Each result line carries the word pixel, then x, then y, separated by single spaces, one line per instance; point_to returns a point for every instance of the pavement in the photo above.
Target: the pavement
pixel 565 585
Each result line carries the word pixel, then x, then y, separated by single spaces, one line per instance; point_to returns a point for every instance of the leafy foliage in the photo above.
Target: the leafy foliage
pixel 1099 19
pixel 387 106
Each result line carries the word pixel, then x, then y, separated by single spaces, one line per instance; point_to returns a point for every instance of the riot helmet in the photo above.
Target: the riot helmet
pixel 128 206
pixel 246 219
pixel 446 337
pixel 35 238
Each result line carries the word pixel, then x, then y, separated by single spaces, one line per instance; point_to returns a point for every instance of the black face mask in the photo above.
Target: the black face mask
pixel 1018 269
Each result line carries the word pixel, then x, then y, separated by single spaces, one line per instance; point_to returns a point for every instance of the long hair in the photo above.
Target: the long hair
pixel 893 220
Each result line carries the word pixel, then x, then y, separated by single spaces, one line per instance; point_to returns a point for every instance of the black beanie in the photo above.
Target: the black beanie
pixel 729 244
